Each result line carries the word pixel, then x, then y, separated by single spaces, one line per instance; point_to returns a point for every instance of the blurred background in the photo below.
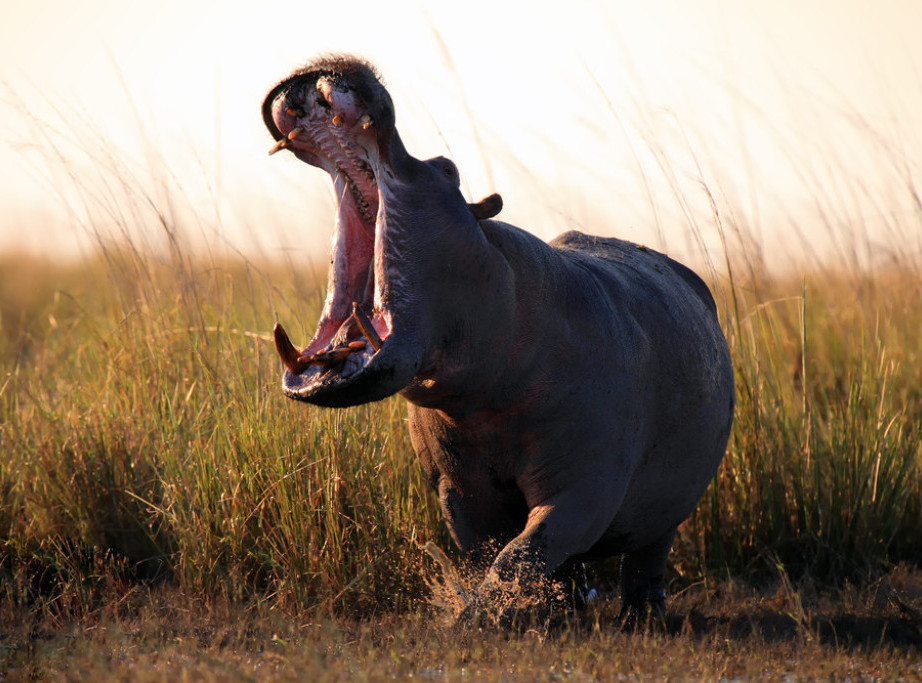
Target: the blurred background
pixel 787 131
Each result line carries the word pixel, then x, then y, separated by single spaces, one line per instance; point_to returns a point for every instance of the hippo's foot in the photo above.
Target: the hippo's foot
pixel 643 600
pixel 512 605
pixel 476 615
pixel 483 613
pixel 643 608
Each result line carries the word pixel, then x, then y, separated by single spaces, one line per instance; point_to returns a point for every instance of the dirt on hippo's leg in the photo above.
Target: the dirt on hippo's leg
pixel 514 605
pixel 643 598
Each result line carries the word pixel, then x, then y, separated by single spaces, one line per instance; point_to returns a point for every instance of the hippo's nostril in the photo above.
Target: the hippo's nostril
pixel 321 101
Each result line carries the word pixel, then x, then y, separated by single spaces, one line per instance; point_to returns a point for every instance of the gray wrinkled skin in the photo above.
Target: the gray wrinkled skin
pixel 568 401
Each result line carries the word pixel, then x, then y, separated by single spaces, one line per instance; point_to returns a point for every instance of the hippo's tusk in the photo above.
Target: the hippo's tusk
pixel 365 326
pixel 342 334
pixel 281 144
pixel 295 132
pixel 291 357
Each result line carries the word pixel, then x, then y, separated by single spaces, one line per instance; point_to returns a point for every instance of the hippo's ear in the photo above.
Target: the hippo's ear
pixel 486 207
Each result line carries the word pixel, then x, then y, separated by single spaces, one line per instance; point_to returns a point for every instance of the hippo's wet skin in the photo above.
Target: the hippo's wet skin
pixel 569 400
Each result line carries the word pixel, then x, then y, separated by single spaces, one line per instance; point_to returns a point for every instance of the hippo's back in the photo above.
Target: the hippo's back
pixel 681 384
pixel 627 255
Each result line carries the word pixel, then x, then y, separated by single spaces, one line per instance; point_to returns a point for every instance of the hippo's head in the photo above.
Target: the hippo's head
pixel 397 220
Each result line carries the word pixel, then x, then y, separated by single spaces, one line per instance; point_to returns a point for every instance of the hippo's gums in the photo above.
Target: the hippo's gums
pixel 568 401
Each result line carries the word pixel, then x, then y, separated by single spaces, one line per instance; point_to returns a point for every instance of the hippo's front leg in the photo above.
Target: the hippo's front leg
pixel 481 522
pixel 554 532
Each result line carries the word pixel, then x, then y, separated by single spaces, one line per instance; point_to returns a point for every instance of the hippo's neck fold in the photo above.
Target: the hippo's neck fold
pixel 458 304
pixel 492 323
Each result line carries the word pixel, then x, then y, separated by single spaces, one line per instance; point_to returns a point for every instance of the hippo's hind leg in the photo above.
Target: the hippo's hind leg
pixel 642 581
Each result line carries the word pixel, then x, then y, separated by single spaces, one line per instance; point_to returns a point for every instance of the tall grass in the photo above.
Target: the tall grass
pixel 824 466
pixel 145 425
pixel 144 435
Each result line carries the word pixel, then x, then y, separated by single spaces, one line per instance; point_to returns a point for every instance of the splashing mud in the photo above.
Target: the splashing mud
pixel 449 596
pixel 508 601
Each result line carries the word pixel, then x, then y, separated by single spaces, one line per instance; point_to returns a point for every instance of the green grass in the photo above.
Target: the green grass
pixel 152 471
pixel 824 467
pixel 146 437
pixel 143 425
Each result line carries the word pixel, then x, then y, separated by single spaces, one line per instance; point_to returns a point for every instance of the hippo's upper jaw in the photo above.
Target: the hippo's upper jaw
pixel 335 115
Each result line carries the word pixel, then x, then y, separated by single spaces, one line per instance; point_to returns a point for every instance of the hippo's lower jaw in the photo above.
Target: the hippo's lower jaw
pixel 350 372
pixel 374 381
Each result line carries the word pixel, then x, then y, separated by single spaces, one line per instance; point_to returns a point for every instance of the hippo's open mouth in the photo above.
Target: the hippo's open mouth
pixel 335 119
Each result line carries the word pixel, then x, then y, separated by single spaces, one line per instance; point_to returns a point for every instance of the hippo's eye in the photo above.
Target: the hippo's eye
pixel 447 166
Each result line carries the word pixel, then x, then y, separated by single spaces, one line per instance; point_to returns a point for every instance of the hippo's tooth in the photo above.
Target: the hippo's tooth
pixel 340 354
pixel 342 334
pixel 318 358
pixel 331 357
pixel 365 327
pixel 295 132
pixel 297 112
pixel 338 120
pixel 291 357
pixel 281 144
pixel 366 121
pixel 356 345
pixel 324 86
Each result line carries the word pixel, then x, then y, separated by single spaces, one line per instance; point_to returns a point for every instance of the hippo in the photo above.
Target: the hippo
pixel 568 401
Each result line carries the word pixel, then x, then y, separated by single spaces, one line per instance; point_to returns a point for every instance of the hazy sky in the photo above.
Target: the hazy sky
pixel 605 116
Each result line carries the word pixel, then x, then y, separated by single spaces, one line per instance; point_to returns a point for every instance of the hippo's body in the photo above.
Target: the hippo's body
pixel 568 401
